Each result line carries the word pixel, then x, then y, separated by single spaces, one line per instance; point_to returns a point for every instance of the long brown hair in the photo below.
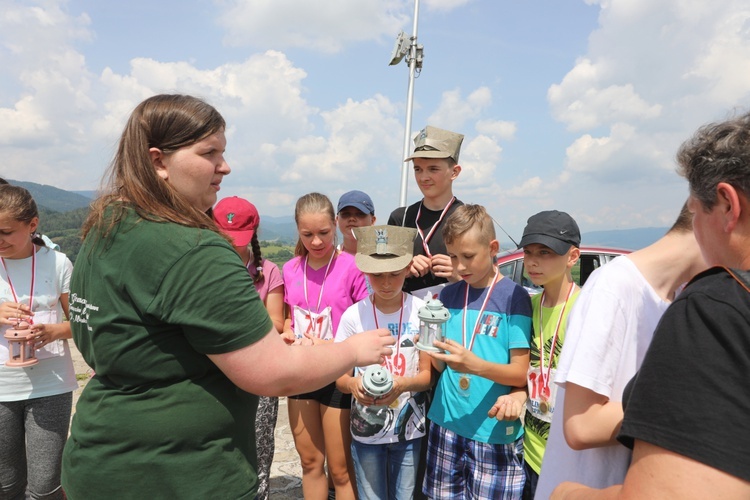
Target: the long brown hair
pixel 166 122
pixel 18 203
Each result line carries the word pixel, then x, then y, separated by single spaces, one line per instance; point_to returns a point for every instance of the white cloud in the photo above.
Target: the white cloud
pixel 529 187
pixel 647 57
pixel 310 25
pixel 445 5
pixel 358 135
pixel 46 107
pixel 454 110
pixel 497 129
pixel 596 106
pixel 587 153
pixel 653 72
pixel 23 124
pixel 479 158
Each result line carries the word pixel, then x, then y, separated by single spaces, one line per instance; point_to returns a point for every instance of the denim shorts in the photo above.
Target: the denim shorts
pixel 386 471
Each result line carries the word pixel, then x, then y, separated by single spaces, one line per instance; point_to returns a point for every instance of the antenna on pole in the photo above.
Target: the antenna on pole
pixel 414 54
pixel 504 231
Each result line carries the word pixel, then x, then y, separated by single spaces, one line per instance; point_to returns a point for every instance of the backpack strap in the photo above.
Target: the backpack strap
pixel 742 277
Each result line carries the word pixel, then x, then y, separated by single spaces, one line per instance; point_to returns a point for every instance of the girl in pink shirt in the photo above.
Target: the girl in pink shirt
pixel 319 285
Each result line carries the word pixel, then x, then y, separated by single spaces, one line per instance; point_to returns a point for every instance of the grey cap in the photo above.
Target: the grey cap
pixel 384 249
pixel 433 142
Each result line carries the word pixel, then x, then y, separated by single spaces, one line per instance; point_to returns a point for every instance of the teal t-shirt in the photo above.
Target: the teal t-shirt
pixel 159 419
pixel 505 324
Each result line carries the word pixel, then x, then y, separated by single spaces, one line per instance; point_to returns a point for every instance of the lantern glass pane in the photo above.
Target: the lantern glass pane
pixel 437 332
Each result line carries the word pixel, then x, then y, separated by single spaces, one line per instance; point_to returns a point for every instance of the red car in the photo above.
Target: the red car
pixel 592 257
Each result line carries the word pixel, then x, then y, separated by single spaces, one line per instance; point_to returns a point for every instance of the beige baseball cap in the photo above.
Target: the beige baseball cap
pixel 384 249
pixel 433 142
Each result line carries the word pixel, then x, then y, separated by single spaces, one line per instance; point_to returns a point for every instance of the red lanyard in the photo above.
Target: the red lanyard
pixel 545 378
pixel 426 239
pixel 33 274
pixel 389 359
pixel 479 316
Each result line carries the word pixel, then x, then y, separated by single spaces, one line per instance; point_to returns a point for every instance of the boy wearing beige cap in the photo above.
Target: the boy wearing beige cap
pixel 387 428
pixel 435 159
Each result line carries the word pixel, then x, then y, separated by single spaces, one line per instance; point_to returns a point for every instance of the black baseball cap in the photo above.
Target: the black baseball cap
pixel 554 229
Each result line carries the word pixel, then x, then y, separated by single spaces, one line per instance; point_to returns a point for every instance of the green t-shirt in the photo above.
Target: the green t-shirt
pixel 536 431
pixel 159 419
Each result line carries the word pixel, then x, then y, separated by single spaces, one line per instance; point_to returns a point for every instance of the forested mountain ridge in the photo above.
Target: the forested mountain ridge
pixel 63 228
pixel 55 199
pixel 62 214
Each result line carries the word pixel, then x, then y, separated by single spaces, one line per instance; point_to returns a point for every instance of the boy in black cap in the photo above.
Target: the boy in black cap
pixel 550 242
pixel 436 166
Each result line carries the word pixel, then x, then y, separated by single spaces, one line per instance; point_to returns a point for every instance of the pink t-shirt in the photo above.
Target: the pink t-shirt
pixel 344 286
pixel 271 278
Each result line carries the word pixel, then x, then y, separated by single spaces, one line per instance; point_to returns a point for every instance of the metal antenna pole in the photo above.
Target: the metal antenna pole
pixel 414 60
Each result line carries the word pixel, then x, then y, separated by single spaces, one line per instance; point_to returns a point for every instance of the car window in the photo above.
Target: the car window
pixel 586 265
pixel 588 262
pixel 509 269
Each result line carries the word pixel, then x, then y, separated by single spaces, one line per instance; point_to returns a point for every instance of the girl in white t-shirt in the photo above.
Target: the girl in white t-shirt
pixel 35 400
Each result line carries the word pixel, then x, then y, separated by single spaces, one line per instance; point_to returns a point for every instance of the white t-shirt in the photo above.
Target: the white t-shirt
pixel 609 330
pixel 406 420
pixel 54 373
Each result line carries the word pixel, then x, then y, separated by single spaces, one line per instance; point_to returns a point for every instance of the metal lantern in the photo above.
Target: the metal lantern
pixel 432 317
pixel 377 381
pixel 20 346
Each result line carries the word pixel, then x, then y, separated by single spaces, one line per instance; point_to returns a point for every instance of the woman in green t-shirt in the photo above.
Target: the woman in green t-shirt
pixel 172 328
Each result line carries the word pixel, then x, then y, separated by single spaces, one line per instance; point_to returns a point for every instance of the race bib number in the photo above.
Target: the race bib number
pixel 542 394
pixel 308 323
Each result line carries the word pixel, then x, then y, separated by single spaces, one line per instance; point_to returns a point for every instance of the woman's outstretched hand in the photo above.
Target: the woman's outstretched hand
pixel 372 346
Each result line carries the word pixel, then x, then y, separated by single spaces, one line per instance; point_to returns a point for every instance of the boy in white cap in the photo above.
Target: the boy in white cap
pixel 435 159
pixel 387 429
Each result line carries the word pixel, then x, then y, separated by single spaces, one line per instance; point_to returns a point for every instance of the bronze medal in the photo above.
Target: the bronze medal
pixel 464 382
pixel 544 407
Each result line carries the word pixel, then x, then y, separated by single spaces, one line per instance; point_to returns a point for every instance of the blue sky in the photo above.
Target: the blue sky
pixel 566 104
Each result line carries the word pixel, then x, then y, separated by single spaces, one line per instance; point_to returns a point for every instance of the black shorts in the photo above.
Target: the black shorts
pixel 329 396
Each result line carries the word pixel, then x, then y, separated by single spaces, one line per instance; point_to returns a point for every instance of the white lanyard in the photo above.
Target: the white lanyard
pixel 389 363
pixel 545 378
pixel 479 316
pixel 426 239
pixel 33 274
pixel 320 292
